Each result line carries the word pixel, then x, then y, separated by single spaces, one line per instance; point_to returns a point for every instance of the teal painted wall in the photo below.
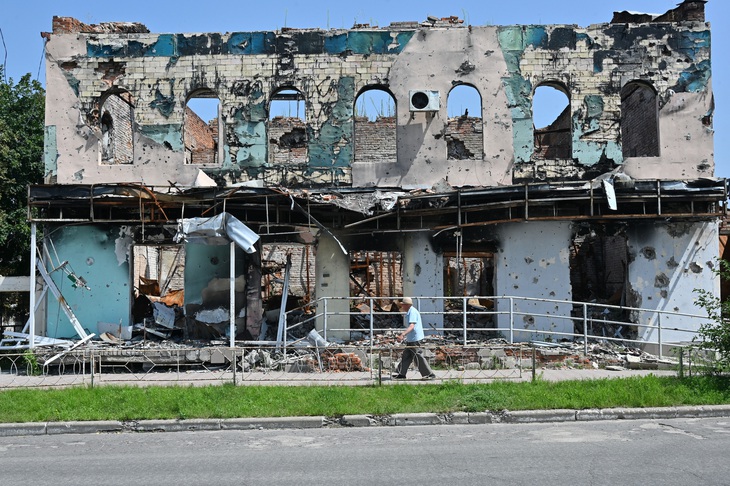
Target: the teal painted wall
pixel 99 255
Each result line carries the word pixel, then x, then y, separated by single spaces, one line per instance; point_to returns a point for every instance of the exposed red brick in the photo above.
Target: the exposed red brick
pixel 201 139
pixel 69 25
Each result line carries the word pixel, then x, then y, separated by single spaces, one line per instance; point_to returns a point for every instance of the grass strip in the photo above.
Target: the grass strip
pixel 228 401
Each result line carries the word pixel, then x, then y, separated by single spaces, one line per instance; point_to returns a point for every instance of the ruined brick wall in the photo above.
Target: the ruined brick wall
pixel 69 25
pixel 287 141
pixel 244 70
pixel 465 138
pixel 201 140
pixel 554 141
pixel 639 134
pixel 302 277
pixel 375 140
pixel 118 142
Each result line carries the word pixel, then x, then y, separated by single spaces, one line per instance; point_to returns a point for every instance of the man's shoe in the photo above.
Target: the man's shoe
pixel 399 377
pixel 430 377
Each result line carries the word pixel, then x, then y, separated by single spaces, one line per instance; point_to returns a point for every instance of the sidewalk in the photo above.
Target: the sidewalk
pixel 354 378
pixel 463 418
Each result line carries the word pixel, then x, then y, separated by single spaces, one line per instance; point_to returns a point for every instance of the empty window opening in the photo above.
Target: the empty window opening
pixel 202 129
pixel 598 267
pixel 375 135
pixel 464 129
pixel 376 274
pixel 287 128
pixel 599 274
pixel 552 123
pixel 470 274
pixel 639 121
pixel 117 117
pixel 159 280
pixel 301 281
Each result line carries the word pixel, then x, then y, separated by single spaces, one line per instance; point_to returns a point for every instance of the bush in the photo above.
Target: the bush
pixel 715 335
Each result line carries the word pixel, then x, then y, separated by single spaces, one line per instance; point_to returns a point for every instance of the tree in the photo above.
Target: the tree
pixel 21 164
pixel 715 335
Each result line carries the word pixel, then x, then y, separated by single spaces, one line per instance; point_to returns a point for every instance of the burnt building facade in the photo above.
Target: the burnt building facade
pixel 614 201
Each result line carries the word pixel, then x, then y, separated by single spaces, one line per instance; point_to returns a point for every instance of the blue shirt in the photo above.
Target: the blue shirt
pixel 415 317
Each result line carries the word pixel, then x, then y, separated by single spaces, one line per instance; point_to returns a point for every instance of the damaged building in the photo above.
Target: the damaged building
pixel 150 213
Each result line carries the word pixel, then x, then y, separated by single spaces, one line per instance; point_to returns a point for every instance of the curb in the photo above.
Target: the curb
pixel 395 420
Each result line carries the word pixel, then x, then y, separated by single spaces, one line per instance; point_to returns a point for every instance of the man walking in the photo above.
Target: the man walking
pixel 413 334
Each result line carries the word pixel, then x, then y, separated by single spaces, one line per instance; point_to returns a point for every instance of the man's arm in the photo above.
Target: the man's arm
pixel 408 329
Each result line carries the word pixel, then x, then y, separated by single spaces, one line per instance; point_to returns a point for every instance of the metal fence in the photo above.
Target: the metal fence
pixel 476 338
pixel 261 365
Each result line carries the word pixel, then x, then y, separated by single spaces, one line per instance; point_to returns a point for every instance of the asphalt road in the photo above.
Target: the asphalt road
pixel 645 452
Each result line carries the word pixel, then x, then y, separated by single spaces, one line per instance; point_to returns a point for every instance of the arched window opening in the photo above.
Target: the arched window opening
pixel 202 129
pixel 375 139
pixel 639 121
pixel 465 128
pixel 117 117
pixel 551 119
pixel 287 128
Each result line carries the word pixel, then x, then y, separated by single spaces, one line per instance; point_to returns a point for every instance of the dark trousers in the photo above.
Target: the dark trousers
pixel 413 351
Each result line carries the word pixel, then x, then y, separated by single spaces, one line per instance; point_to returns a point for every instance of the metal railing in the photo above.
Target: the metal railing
pixel 501 315
pixel 261 364
pixel 331 341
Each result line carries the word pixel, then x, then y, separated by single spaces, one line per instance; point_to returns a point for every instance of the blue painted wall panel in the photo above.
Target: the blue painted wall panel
pixel 93 252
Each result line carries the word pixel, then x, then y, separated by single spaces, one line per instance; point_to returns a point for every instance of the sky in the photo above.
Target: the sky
pixel 22 21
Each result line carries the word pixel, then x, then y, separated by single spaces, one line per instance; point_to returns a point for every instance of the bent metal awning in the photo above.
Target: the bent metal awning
pixel 279 213
pixel 217 230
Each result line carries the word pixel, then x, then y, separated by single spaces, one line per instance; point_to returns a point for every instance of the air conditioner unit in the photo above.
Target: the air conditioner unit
pixel 423 100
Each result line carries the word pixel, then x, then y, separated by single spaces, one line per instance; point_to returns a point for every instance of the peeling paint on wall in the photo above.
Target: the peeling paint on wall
pixel 329 67
pixel 331 144
pixel 123 244
pixel 694 78
pixel 165 104
pixel 169 135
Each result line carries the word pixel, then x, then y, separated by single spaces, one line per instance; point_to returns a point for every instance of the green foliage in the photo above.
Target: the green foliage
pixel 715 335
pixel 33 368
pixel 21 164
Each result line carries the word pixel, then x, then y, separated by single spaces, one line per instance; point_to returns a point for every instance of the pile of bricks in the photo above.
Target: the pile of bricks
pixel 345 362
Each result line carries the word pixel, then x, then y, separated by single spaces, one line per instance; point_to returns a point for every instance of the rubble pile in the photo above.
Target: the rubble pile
pixel 345 362
pixel 311 353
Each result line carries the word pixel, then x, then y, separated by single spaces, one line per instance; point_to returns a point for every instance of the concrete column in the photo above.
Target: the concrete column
pixel 423 275
pixel 534 261
pixel 667 262
pixel 333 280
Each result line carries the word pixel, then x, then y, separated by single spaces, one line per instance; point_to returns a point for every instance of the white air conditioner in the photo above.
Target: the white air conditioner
pixel 423 100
